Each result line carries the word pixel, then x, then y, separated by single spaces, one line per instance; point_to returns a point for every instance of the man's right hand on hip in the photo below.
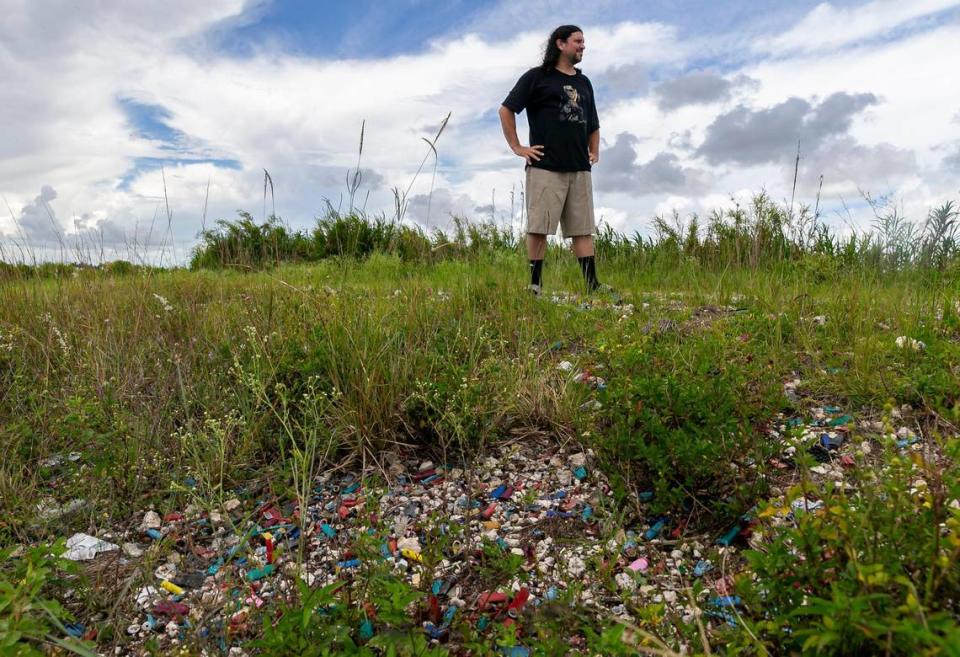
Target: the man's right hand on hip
pixel 530 153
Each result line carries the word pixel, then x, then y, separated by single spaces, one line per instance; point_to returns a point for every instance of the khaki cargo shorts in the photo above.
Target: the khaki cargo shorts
pixel 562 198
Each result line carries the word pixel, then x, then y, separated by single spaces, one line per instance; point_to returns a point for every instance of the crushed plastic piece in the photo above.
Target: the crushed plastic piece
pixel 366 629
pixel 639 565
pixel 74 629
pixel 84 547
pixel 655 530
pixel 840 421
pixel 260 573
pixel 170 608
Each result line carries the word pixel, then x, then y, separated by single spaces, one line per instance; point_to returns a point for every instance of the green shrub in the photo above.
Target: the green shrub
pixel 875 571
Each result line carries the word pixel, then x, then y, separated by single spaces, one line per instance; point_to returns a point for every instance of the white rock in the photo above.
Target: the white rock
pixel 151 520
pixel 165 571
pixel 132 550
pixel 625 582
pixel 410 543
pixel 575 566
pixel 146 595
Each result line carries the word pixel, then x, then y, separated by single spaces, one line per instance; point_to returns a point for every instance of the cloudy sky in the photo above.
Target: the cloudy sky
pixel 127 125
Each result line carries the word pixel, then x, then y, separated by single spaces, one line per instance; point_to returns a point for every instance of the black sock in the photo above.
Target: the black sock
pixel 589 270
pixel 536 271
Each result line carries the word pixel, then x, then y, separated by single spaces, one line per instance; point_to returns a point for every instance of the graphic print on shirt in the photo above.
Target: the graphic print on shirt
pixel 571 110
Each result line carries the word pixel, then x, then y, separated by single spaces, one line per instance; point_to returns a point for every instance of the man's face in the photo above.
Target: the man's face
pixel 573 47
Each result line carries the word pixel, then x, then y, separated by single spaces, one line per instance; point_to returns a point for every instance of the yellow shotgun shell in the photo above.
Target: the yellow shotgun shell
pixel 407 553
pixel 170 586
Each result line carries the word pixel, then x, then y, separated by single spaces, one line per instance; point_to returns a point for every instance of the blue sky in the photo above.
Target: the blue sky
pixel 373 29
pixel 701 104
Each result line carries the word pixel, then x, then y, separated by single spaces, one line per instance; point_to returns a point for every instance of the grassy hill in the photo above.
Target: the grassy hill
pixel 788 393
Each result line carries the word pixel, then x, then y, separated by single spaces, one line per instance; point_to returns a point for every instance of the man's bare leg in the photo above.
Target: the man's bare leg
pixel 537 246
pixel 583 246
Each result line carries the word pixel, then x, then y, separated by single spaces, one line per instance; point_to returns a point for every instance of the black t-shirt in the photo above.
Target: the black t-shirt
pixel 561 113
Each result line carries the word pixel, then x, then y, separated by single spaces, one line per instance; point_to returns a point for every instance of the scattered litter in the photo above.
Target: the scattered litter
pixel 702 568
pixel 802 504
pixel 639 565
pixel 59 459
pixel 83 547
pixel 48 509
pixel 541 503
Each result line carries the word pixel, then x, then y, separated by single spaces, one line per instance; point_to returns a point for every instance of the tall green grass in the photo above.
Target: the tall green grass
pixel 280 354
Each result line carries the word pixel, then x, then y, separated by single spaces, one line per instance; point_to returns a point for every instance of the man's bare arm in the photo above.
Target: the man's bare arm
pixel 594 146
pixel 508 121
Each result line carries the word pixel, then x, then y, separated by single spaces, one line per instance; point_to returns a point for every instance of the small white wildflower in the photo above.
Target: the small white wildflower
pixel 903 342
pixel 163 302
pixel 62 340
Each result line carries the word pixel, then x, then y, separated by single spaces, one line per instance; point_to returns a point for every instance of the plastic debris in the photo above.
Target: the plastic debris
pixel 639 565
pixel 730 535
pixel 840 421
pixel 59 459
pixel 366 629
pixel 702 568
pixel 83 547
pixel 655 529
pixel 802 504
pixel 259 573
pixel 167 585
pixel 831 442
pixel 523 499
pixel 906 438
pixel 170 608
pixel 50 510
pixel 74 629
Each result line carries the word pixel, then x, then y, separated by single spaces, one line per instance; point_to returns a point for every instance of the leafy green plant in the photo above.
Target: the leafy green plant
pixel 875 571
pixel 31 619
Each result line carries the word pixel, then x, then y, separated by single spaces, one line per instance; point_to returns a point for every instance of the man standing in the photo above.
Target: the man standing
pixel 564 143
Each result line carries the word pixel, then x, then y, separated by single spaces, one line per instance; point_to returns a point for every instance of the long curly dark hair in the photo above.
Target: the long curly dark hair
pixel 551 54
